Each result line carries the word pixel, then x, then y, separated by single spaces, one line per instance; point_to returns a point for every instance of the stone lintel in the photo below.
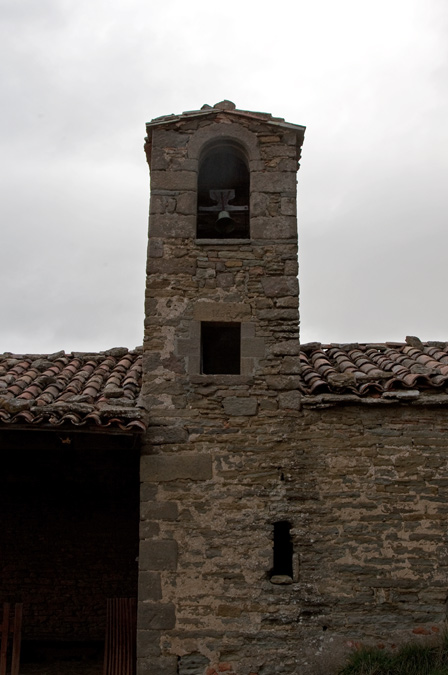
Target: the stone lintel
pixel 221 311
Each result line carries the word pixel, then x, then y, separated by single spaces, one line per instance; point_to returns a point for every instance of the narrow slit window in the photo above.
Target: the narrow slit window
pixel 220 348
pixel 283 550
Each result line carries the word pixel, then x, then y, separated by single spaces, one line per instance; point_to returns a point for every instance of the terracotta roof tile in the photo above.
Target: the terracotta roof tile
pixel 103 389
pixel 374 370
pixel 100 389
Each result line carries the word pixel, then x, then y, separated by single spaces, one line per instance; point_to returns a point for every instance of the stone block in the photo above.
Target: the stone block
pixel 259 202
pixel 164 665
pixel 171 266
pixel 156 616
pixel 247 366
pixel 273 181
pixel 279 382
pixel 247 330
pixel 225 280
pixel 253 347
pixel 193 664
pixel 148 529
pixel 288 206
pixel 221 311
pixel 186 347
pixel 275 287
pixel 165 468
pixel 174 180
pixel 186 203
pixel 155 248
pixel 158 554
pixel 172 226
pixel 279 150
pixel 291 268
pixel 290 400
pixel 148 643
pixel 161 204
pixel 151 361
pixel 286 348
pixel 194 363
pixel 149 587
pixel 275 227
pixel 162 138
pixel 159 511
pixel 268 404
pixel 280 315
pixel 169 435
pixel 148 492
pixel 236 406
pixel 159 159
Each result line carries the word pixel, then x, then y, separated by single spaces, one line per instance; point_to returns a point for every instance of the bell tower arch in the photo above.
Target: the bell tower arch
pixel 220 381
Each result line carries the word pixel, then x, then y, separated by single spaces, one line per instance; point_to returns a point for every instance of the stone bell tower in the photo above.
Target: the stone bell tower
pixel 221 352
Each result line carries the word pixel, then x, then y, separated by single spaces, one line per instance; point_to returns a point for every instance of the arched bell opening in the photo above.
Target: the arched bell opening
pixel 223 193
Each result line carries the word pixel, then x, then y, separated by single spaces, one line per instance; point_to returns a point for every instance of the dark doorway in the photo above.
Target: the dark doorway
pixel 69 505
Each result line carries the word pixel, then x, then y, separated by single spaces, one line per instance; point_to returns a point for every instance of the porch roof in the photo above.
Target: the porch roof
pixel 80 389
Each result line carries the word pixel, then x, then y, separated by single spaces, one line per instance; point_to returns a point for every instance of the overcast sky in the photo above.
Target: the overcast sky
pixel 81 77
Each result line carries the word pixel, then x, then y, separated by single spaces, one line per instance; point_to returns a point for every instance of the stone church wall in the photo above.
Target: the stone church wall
pixel 364 489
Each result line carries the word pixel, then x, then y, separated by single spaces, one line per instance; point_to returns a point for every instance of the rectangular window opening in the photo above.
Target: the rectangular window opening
pixel 220 348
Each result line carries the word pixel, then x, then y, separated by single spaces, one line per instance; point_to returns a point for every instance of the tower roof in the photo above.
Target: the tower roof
pixel 229 108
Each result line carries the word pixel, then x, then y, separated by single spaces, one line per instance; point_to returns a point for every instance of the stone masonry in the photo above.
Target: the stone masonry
pixel 227 456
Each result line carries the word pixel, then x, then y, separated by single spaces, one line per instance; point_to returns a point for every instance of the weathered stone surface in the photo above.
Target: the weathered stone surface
pixel 155 248
pixel 186 203
pixel 149 587
pixel 169 139
pixel 290 399
pixel 174 180
pixel 162 266
pixel 157 555
pixel 156 616
pixel 169 434
pixel 159 511
pixel 240 406
pixel 221 311
pixel 165 665
pixel 162 468
pixel 283 382
pixel 278 227
pixel 287 347
pixel 273 181
pixel 280 286
pixel 172 226
pixel 193 664
pixel 148 643
pixel 254 347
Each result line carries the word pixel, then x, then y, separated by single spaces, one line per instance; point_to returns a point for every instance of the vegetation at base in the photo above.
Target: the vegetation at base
pixel 411 659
